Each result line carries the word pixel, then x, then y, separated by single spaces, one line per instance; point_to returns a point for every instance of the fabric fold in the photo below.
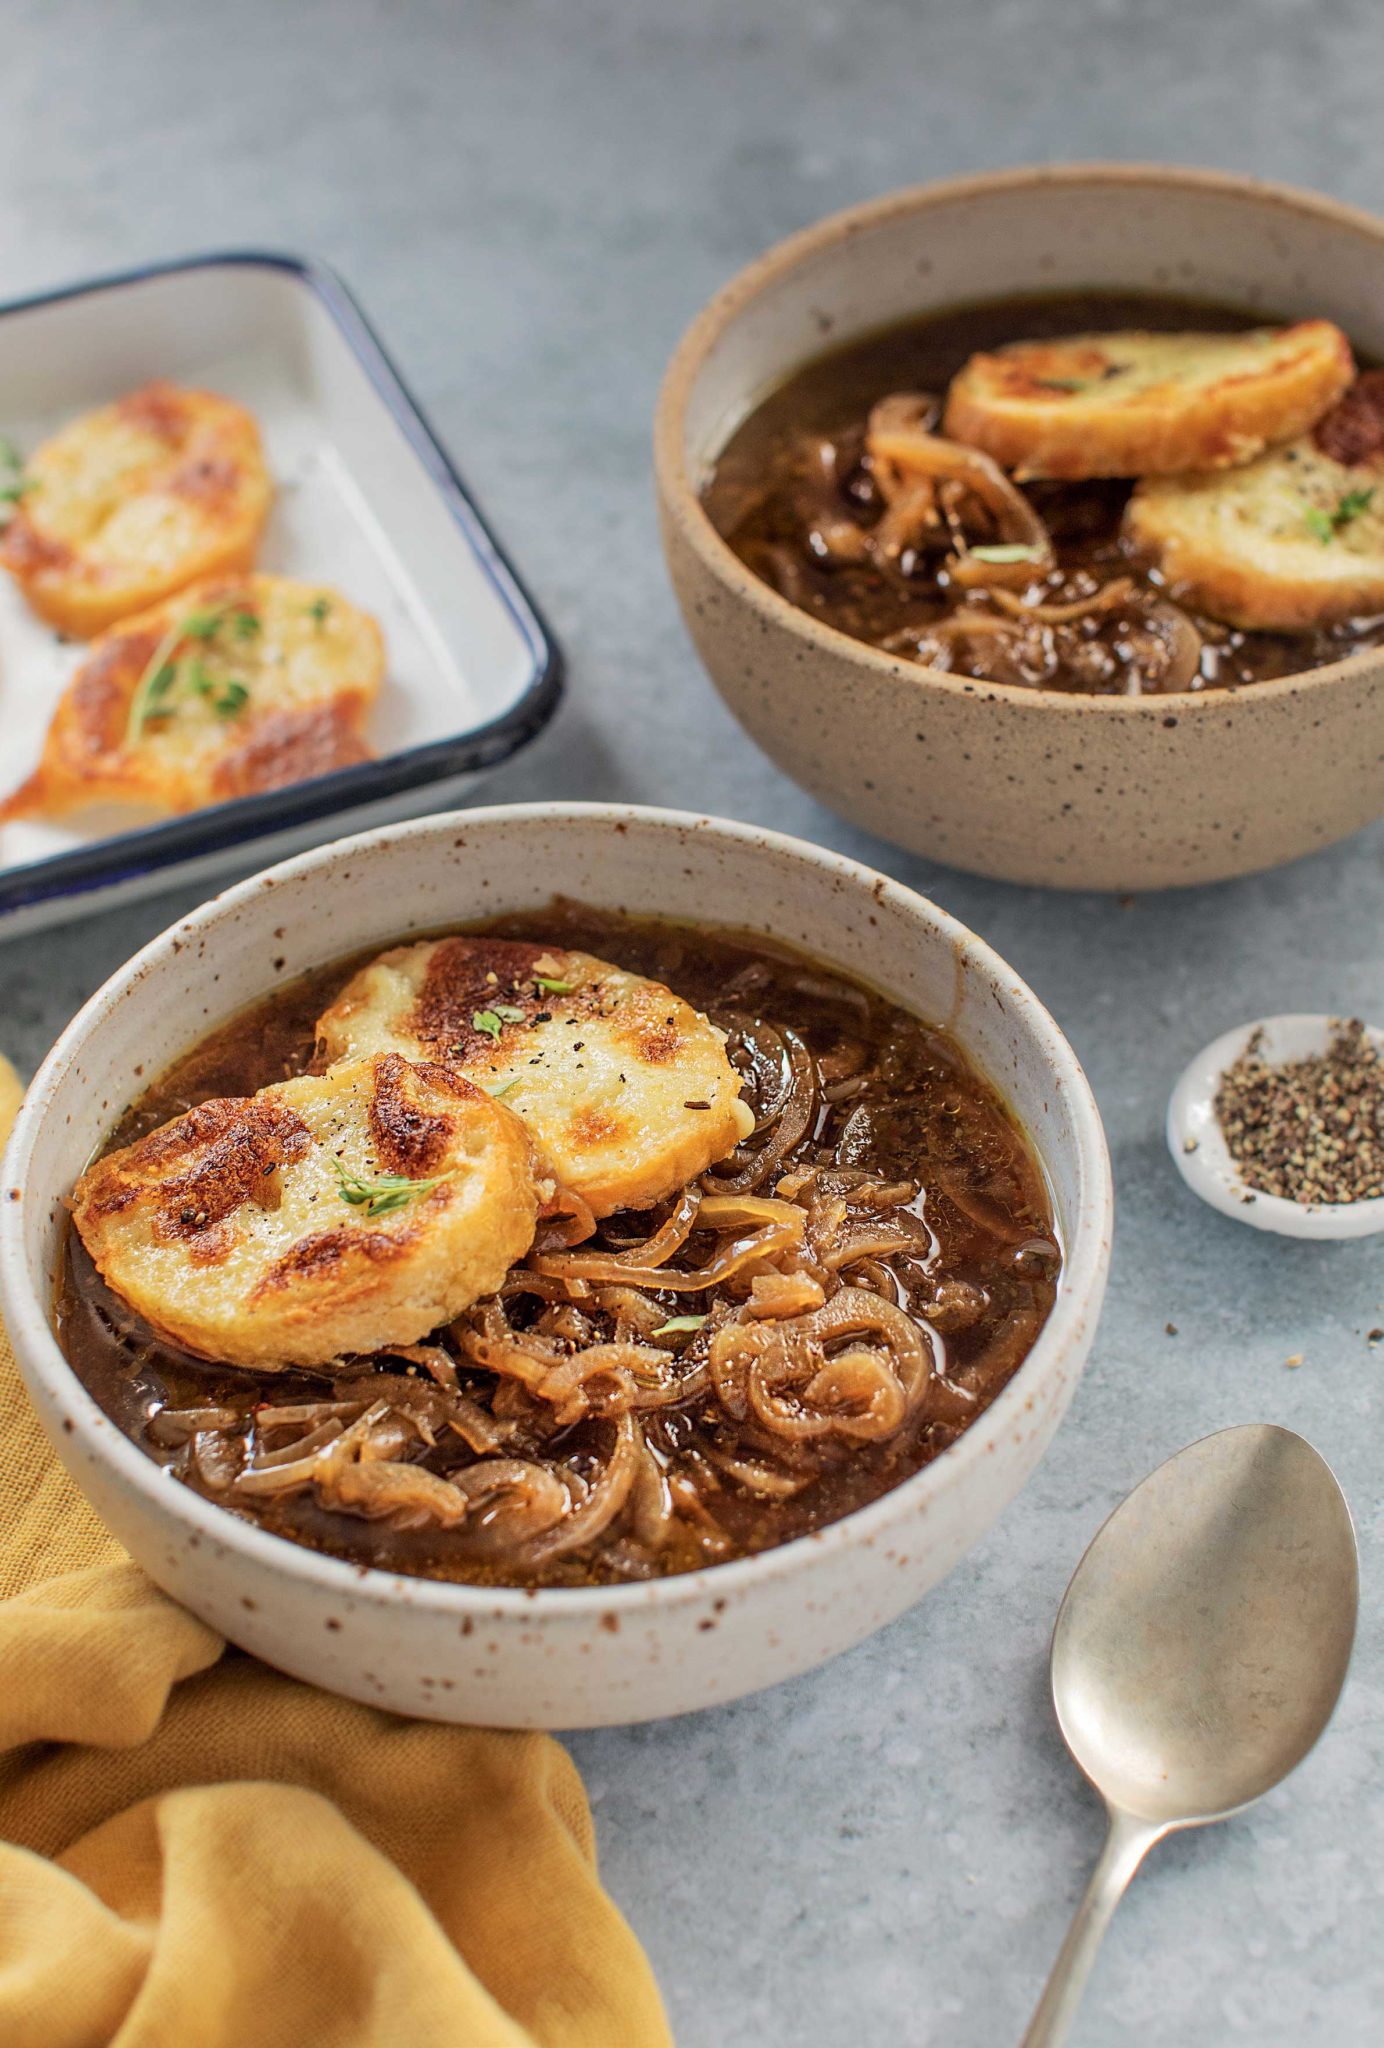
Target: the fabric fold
pixel 195 1849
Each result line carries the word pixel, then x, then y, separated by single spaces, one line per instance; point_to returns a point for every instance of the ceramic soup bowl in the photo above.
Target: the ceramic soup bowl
pixel 563 1657
pixel 1031 786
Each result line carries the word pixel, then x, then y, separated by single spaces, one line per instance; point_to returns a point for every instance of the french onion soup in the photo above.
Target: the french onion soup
pixel 575 1250
pixel 1108 493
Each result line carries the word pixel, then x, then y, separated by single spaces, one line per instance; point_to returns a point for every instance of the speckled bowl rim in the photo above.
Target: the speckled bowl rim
pixel 684 502
pixel 963 1463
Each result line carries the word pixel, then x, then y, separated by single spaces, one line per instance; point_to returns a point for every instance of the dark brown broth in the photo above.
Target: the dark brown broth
pixel 762 503
pixel 924 1115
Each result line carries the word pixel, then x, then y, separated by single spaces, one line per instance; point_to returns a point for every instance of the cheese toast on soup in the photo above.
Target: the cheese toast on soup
pixel 134 501
pixel 328 1214
pixel 1290 542
pixel 222 691
pixel 1136 404
pixel 627 1090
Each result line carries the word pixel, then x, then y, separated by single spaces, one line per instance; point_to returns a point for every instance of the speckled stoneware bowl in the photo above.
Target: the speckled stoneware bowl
pixel 1071 791
pixel 561 1658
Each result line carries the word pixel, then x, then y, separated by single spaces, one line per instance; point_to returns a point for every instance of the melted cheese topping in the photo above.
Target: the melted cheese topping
pixel 1292 541
pixel 135 500
pixel 1136 404
pixel 279 691
pixel 325 1215
pixel 627 1090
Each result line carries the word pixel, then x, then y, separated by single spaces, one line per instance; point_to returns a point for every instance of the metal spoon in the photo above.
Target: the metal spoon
pixel 1198 1654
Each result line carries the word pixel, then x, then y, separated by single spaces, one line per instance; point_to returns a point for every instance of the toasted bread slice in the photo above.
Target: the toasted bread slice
pixel 139 499
pixel 1134 404
pixel 221 691
pixel 328 1214
pixel 626 1089
pixel 1292 541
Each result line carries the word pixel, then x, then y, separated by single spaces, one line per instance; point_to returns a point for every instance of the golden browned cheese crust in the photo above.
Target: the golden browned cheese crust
pixel 627 1090
pixel 134 501
pixel 1136 404
pixel 278 691
pixel 1291 542
pixel 327 1215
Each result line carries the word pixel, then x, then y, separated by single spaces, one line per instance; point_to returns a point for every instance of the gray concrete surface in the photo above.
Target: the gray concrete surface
pixel 531 199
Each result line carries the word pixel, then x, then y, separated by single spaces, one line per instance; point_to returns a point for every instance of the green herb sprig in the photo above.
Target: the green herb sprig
pixel 549 987
pixel 1326 525
pixel 15 485
pixel 381 1194
pixel 493 1020
pixel 675 1325
pixel 164 671
pixel 227 699
pixel 1006 551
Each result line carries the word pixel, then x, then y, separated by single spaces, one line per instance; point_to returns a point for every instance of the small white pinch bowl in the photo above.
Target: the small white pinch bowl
pixel 1203 1158
pixel 558 1658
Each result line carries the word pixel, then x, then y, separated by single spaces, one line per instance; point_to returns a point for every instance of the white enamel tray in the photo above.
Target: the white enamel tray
pixel 366 499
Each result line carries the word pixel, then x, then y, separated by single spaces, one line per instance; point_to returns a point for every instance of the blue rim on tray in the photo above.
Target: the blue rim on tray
pixel 128 856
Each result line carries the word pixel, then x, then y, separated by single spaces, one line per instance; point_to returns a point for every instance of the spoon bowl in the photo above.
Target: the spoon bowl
pixel 1198 1654
pixel 1204 1639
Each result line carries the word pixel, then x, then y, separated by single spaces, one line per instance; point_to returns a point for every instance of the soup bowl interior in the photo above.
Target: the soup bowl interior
pixel 1028 785
pixel 562 1657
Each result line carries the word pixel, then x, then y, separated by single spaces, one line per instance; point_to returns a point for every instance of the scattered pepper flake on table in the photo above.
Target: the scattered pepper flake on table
pixel 1311 1130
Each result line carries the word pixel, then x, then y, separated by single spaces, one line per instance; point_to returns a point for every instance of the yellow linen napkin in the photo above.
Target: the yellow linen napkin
pixel 197 1852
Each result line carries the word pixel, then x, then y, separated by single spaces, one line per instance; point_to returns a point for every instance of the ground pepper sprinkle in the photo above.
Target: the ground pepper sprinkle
pixel 1311 1130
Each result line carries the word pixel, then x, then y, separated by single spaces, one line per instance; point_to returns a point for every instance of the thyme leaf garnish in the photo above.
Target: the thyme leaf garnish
pixel 1006 551
pixel 493 1020
pixel 226 699
pixel 231 699
pixel 381 1193
pixel 17 485
pixel 164 670
pixel 676 1324
pixel 1349 506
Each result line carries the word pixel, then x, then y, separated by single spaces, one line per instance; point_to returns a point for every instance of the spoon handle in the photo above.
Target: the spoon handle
pixel 1127 1843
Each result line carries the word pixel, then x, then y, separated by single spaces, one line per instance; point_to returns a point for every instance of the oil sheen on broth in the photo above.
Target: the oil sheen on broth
pixel 796 471
pixel 887 1254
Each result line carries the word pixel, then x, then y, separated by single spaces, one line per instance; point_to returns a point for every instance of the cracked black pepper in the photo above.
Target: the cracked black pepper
pixel 1311 1130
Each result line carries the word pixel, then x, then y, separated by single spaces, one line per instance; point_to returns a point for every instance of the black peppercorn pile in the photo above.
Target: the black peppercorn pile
pixel 1311 1130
